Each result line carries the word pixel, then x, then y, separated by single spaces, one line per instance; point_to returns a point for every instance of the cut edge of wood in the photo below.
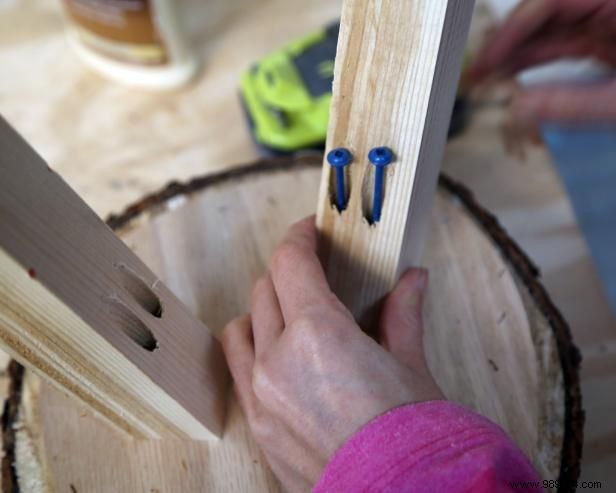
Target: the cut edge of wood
pixel 569 354
pixel 81 309
pixel 528 273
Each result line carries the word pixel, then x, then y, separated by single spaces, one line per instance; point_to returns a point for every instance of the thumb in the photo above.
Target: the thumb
pixel 594 103
pixel 401 327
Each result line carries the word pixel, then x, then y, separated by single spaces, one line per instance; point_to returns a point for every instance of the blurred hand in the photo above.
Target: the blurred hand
pixel 306 376
pixel 539 31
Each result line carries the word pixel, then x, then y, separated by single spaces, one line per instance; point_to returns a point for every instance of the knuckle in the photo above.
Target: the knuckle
pixel 312 329
pixel 261 427
pixel 304 324
pixel 303 330
pixel 309 339
pixel 262 382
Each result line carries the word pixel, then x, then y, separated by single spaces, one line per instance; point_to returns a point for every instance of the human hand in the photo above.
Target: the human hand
pixel 306 376
pixel 539 31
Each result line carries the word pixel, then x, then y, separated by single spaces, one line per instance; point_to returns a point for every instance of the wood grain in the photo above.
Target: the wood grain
pixel 480 358
pixel 528 198
pixel 108 143
pixel 81 309
pixel 114 144
pixel 397 70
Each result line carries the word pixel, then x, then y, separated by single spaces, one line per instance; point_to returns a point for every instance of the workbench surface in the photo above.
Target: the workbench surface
pixel 114 144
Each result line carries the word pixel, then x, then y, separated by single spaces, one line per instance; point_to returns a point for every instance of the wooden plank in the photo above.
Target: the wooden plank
pixel 81 309
pixel 397 69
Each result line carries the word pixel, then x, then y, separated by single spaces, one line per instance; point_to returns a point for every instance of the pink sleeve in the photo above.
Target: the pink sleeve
pixel 429 447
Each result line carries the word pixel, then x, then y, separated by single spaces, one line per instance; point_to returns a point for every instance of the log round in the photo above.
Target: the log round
pixel 495 341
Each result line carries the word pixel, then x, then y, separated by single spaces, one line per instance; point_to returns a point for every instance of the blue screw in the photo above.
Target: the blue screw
pixel 339 159
pixel 380 157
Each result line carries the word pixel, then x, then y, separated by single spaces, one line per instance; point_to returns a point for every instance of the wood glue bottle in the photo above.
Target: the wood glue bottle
pixel 136 42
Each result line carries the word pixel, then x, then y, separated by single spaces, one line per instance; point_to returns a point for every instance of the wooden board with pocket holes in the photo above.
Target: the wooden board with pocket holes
pixel 78 307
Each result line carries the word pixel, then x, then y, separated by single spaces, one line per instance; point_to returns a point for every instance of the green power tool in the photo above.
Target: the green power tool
pixel 286 95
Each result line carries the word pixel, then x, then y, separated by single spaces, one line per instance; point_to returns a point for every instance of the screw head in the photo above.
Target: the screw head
pixel 381 156
pixel 339 157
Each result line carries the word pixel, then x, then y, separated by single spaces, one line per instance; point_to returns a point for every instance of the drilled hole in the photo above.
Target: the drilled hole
pixel 367 194
pixel 140 291
pixel 127 321
pixel 333 190
pixel 368 191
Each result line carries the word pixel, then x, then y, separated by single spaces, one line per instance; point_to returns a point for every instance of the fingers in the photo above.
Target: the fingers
pixel 239 350
pixel 522 23
pixel 528 26
pixel 401 327
pixel 299 280
pixel 547 48
pixel 592 104
pixel 267 322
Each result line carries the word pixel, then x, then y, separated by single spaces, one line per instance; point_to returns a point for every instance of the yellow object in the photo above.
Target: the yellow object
pixel 287 94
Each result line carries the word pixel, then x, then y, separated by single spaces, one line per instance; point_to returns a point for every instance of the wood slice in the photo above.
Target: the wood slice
pixel 495 342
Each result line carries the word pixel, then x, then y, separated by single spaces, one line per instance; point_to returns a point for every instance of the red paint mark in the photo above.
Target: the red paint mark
pixel 32 273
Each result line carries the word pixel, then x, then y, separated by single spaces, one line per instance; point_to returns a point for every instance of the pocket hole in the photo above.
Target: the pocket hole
pixel 140 291
pixel 346 188
pixel 367 194
pixel 133 327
